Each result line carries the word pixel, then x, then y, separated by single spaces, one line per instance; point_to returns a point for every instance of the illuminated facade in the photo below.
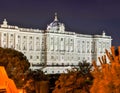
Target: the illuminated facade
pixel 53 48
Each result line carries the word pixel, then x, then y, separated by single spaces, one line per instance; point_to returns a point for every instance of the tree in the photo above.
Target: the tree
pixel 37 82
pixel 15 63
pixel 84 67
pixel 107 76
pixel 77 80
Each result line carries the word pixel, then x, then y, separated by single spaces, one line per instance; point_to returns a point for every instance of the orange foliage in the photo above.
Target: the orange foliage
pixel 7 83
pixel 73 82
pixel 107 77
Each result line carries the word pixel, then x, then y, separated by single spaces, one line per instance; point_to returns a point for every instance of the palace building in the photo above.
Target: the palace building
pixel 54 49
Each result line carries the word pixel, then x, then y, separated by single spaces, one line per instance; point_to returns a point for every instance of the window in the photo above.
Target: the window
pixel 62 58
pixel 72 64
pixel 31 37
pixel 88 58
pixel 11 46
pixel 5 46
pixel 68 64
pixel 52 71
pixel 52 57
pixel 62 64
pixel 52 64
pixel 43 57
pixel 51 38
pixel 37 57
pixel 24 37
pixel 61 39
pixel 37 37
pixel 18 36
pixel 57 28
pixel 88 51
pixel 30 45
pixel 83 58
pixel 24 48
pixel 30 57
pixel 78 58
pixel 4 34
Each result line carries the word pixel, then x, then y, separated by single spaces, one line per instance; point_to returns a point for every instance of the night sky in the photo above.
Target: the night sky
pixel 81 16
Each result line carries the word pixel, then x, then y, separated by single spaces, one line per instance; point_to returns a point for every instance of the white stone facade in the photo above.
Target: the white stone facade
pixel 54 47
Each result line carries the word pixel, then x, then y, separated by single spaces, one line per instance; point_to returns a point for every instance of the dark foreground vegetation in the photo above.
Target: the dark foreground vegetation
pixel 87 78
pixel 15 63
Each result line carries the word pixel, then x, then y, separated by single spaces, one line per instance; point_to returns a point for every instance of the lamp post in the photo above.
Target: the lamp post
pixel 23 87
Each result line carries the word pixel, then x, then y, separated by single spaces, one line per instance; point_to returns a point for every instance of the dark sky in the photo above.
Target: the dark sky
pixel 82 16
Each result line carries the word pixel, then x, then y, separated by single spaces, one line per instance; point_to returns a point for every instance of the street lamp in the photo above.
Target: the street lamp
pixel 23 81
